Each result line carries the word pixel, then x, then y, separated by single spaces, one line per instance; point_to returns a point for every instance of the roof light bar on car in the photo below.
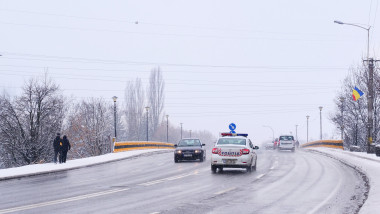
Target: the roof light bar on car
pixel 224 134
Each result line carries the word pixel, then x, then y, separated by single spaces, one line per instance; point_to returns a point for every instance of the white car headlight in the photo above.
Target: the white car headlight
pixel 178 151
pixel 197 151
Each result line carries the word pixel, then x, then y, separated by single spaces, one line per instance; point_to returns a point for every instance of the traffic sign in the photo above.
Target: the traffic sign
pixel 232 126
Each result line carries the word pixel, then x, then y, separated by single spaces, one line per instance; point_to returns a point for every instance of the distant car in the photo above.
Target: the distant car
pixel 286 142
pixel 275 144
pixel 189 149
pixel 269 145
pixel 234 151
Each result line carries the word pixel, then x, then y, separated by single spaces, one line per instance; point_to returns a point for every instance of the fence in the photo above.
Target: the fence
pixel 135 145
pixel 337 144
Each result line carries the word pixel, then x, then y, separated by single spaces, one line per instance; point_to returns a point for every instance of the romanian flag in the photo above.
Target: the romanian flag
pixel 356 93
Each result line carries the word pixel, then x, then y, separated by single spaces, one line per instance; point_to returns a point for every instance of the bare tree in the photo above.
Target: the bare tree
pixel 90 127
pixel 134 110
pixel 29 123
pixel 156 98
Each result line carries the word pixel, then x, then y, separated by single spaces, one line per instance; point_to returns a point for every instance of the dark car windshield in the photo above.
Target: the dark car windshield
pixel 189 142
pixel 235 141
pixel 286 138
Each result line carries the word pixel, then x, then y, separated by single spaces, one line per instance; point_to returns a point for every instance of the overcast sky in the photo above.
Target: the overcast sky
pixel 254 63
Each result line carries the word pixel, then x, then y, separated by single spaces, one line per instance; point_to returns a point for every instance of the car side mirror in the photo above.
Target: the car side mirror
pixel 256 147
pixel 203 144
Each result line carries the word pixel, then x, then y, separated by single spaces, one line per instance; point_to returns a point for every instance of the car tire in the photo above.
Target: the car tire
pixel 213 169
pixel 254 167
pixel 201 159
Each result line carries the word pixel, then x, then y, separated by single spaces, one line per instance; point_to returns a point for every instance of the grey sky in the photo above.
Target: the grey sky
pixel 253 63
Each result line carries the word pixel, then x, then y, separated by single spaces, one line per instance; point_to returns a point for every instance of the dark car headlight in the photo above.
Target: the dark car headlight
pixel 178 152
pixel 198 151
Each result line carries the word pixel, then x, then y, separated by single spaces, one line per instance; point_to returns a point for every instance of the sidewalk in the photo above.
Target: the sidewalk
pixel 37 169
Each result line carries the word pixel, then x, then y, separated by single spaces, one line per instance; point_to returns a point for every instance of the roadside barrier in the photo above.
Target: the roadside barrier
pixel 135 145
pixel 337 144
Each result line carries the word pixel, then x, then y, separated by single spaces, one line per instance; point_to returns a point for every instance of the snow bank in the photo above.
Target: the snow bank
pixel 36 169
pixel 370 165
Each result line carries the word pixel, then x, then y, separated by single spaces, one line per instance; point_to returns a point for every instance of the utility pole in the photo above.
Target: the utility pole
pixel 181 131
pixel 320 120
pixel 307 128
pixel 296 132
pixel 370 102
pixel 167 128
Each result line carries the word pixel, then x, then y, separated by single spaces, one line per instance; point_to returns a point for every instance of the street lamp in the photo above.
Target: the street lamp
pixel 320 120
pixel 114 111
pixel 360 26
pixel 181 131
pixel 272 132
pixel 167 128
pixel 307 128
pixel 296 133
pixel 147 124
pixel 342 121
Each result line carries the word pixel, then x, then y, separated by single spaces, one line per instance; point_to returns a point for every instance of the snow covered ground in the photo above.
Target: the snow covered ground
pixel 368 164
pixel 71 164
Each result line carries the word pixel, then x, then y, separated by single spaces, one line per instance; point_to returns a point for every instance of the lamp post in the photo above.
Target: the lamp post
pixel 320 121
pixel 147 124
pixel 114 111
pixel 167 128
pixel 369 84
pixel 272 132
pixel 181 131
pixel 307 128
pixel 342 119
pixel 296 132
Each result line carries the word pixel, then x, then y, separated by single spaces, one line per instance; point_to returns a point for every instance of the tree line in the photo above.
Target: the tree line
pixel 30 121
pixel 353 115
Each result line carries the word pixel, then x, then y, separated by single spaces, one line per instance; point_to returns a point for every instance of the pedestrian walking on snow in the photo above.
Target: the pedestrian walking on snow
pixel 65 148
pixel 58 144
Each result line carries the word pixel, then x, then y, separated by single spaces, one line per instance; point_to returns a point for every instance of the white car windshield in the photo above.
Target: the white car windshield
pixel 286 138
pixel 235 141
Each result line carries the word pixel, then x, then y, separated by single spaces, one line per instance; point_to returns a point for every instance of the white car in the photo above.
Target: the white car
pixel 287 143
pixel 234 151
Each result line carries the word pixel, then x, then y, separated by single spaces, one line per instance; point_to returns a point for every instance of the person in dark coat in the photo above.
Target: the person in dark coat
pixel 65 148
pixel 58 144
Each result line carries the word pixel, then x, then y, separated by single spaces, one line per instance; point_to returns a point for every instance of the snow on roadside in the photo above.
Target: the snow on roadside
pixel 70 164
pixel 370 165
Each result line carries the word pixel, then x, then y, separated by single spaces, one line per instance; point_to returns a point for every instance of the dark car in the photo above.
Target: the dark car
pixel 189 149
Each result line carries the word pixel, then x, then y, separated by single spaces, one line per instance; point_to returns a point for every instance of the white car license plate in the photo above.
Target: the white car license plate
pixel 187 155
pixel 229 161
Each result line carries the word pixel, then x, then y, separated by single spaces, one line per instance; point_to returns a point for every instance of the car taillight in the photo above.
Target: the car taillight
pixel 214 151
pixel 245 151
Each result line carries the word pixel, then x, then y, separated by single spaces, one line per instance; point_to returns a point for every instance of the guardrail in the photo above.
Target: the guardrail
pixel 135 145
pixel 337 144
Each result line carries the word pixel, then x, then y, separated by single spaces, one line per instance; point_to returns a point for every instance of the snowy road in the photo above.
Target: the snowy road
pixel 285 182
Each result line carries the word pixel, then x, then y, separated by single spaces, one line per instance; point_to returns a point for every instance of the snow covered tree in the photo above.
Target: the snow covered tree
pixel 156 98
pixel 29 123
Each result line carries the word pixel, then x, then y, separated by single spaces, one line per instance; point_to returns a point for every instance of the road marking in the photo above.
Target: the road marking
pixel 60 201
pixel 224 191
pixel 155 213
pixel 149 183
pixel 275 164
pixel 260 176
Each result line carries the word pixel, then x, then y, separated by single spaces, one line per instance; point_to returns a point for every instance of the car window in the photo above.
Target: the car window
pixel 286 138
pixel 235 141
pixel 189 142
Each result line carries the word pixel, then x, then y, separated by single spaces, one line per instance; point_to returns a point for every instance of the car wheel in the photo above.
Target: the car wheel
pixel 201 159
pixel 254 167
pixel 213 168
